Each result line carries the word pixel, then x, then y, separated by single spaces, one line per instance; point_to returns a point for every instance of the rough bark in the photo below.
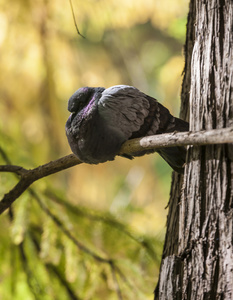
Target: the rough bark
pixel 166 289
pixel 199 242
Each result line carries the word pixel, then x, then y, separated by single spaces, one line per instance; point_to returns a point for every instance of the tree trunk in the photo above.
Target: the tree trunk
pixel 197 260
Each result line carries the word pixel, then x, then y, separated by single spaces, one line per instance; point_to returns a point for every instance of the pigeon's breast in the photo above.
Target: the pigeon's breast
pixel 91 139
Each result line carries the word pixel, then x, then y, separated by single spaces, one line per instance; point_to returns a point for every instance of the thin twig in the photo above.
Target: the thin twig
pixel 13 169
pixel 75 23
pixel 117 286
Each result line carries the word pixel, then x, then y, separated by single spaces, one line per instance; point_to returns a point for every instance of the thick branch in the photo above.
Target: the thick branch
pixel 217 136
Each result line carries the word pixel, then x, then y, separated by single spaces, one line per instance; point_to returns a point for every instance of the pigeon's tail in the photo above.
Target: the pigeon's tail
pixel 175 157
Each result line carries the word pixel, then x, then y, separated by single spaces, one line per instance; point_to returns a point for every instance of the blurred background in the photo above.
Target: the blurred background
pixel 116 210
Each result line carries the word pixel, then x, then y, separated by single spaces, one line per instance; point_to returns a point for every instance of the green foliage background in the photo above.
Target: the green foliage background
pixel 90 232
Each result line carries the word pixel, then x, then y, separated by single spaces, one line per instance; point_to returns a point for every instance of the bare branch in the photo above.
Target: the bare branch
pixel 216 136
pixel 13 169
pixel 30 176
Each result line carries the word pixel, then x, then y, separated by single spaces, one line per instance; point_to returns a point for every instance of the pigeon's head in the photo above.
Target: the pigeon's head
pixel 81 98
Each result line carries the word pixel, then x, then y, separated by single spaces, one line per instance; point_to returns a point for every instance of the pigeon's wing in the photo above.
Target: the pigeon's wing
pixel 124 109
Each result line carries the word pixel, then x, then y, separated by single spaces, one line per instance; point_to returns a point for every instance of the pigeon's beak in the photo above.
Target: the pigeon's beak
pixel 70 119
pixel 68 122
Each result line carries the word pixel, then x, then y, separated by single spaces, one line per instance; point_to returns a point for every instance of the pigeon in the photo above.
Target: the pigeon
pixel 101 120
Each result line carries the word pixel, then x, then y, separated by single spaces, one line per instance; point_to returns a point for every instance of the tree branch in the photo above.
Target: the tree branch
pixel 216 136
pixel 13 169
